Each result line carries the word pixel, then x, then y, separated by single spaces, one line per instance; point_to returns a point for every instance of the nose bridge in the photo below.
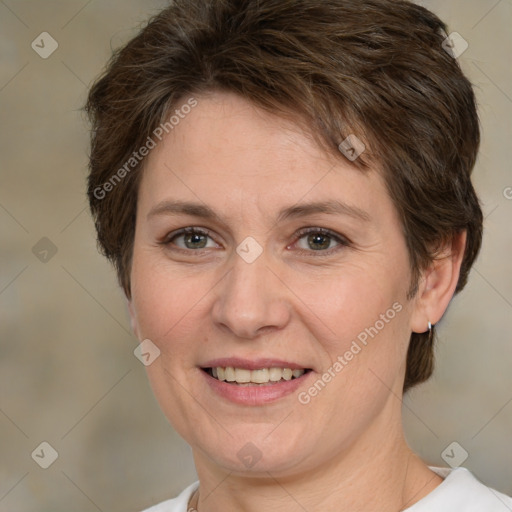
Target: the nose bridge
pixel 251 297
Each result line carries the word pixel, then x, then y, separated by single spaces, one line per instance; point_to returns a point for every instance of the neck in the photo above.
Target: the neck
pixel 377 472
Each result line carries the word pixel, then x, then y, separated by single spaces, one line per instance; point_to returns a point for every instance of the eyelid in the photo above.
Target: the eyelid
pixel 340 239
pixel 324 231
pixel 188 229
pixel 167 239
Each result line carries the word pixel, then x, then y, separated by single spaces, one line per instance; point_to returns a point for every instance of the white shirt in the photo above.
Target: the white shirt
pixel 459 492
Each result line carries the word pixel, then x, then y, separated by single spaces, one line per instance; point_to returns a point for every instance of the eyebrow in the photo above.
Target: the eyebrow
pixel 332 207
pixel 183 208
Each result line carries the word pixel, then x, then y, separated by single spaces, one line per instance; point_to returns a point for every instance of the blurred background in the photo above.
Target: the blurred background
pixel 68 375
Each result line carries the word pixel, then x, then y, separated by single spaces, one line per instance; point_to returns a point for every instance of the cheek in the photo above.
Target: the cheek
pixel 163 302
pixel 360 319
pixel 347 302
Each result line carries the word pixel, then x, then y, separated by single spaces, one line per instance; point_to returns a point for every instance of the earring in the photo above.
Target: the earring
pixel 430 333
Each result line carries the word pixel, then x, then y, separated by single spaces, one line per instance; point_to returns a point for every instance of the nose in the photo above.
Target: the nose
pixel 251 299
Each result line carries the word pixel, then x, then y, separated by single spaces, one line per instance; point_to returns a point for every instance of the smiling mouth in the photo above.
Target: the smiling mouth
pixel 261 377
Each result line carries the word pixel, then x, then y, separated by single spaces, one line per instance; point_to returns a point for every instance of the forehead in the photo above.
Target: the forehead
pixel 226 149
pixel 226 126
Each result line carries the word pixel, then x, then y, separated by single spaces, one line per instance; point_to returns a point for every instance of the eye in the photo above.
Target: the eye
pixel 320 240
pixel 190 239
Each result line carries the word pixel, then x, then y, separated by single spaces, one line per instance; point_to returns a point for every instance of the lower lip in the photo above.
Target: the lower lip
pixel 258 394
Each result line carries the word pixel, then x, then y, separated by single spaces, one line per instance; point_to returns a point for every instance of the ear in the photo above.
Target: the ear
pixel 133 318
pixel 438 283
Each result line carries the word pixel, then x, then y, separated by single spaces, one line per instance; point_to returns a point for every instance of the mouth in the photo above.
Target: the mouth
pixel 257 377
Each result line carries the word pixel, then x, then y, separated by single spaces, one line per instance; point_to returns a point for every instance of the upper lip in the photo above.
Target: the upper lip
pixel 252 364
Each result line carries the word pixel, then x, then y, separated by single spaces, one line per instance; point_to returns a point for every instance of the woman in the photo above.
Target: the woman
pixel 284 189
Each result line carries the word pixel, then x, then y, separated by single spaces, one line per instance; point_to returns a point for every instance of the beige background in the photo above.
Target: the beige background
pixel 68 375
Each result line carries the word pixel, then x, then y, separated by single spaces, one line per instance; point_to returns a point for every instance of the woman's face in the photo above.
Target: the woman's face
pixel 297 262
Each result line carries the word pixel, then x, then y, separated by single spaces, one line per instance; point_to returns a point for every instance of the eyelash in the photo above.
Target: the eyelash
pixel 342 241
pixel 167 241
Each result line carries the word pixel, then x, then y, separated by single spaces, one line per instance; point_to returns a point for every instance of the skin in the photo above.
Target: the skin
pixel 345 448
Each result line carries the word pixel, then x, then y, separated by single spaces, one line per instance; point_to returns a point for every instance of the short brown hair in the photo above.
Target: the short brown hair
pixel 373 68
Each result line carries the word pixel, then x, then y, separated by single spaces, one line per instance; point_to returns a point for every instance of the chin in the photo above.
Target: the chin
pixel 256 452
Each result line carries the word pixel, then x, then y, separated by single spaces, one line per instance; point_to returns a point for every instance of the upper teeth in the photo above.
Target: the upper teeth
pixel 242 375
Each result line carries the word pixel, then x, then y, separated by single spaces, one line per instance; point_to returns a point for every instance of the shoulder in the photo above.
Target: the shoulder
pixel 461 491
pixel 178 504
